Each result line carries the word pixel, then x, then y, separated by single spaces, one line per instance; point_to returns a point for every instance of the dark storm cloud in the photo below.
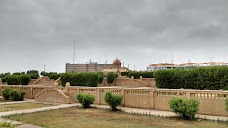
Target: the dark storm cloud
pixel 37 32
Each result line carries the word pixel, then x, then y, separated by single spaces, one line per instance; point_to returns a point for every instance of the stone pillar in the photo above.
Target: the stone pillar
pixel 141 78
pixel 56 85
pixel 132 77
pixel 67 87
pixel 0 81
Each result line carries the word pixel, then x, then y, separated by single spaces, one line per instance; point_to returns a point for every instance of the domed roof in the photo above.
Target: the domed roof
pixel 117 62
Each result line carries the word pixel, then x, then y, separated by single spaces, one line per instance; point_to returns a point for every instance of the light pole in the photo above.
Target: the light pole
pixel 44 68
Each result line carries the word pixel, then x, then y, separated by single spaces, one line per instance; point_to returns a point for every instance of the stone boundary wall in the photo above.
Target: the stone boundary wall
pixel 143 82
pixel 212 102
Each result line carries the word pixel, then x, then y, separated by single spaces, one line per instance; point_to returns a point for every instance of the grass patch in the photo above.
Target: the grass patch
pixel 21 106
pixel 2 100
pixel 101 118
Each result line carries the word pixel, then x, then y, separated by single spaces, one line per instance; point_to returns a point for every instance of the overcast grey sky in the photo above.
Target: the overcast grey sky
pixel 139 32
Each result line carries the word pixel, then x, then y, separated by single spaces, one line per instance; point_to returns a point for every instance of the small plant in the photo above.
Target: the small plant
pixel 113 100
pixel 100 78
pixel 85 99
pixel 6 125
pixel 184 108
pixel 6 93
pixel 16 96
pixel 226 105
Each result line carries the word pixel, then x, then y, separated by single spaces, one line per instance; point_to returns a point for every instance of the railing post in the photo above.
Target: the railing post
pixel 67 88
pixel 123 94
pixel 152 98
pixel 98 96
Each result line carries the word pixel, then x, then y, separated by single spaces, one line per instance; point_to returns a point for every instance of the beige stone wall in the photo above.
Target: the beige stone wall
pixel 211 102
pixel 143 82
pixel 44 81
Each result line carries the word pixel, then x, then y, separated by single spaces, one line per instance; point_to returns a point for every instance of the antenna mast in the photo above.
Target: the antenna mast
pixel 172 58
pixel 74 52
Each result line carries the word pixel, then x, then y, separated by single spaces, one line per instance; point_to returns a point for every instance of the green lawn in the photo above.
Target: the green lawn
pixel 100 118
pixel 21 106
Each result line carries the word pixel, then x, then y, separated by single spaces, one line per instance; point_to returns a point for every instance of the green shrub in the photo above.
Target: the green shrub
pixel 85 99
pixel 100 78
pixel 111 77
pixel 12 80
pixel 16 95
pixel 184 108
pixel 24 79
pixel 124 73
pixel 80 79
pixel 203 78
pixel 113 100
pixel 54 76
pixel 6 93
pixel 3 79
pixel 226 105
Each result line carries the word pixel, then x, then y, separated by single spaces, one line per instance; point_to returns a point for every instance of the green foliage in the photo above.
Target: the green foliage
pixel 113 100
pixel 85 99
pixel 9 94
pixel 16 95
pixel 6 125
pixel 80 79
pixel 100 78
pixel 184 108
pixel 3 79
pixel 54 76
pixel 210 78
pixel 24 79
pixel 6 93
pixel 49 74
pixel 124 73
pixel 226 105
pixel 111 77
pixel 34 74
pixel 143 74
pixel 12 80
pixel 4 74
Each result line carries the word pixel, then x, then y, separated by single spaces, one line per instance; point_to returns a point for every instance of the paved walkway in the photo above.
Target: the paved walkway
pixel 125 109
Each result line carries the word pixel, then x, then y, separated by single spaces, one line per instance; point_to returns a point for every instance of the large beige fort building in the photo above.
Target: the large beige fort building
pixel 95 67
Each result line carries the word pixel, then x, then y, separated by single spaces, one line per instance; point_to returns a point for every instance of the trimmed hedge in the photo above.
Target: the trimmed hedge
pixel 12 80
pixel 184 108
pixel 100 78
pixel 111 77
pixel 24 79
pixel 34 74
pixel 143 74
pixel 80 79
pixel 3 79
pixel 124 73
pixel 54 76
pixel 85 99
pixel 226 105
pixel 203 78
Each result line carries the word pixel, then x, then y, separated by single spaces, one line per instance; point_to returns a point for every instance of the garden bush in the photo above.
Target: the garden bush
pixel 138 74
pixel 3 79
pixel 24 79
pixel 124 73
pixel 80 79
pixel 16 95
pixel 184 108
pixel 210 78
pixel 85 99
pixel 12 80
pixel 111 77
pixel 6 93
pixel 100 78
pixel 113 100
pixel 226 105
pixel 54 76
